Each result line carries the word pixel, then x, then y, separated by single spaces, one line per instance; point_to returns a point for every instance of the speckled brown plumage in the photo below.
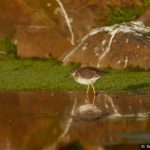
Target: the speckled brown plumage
pixel 88 72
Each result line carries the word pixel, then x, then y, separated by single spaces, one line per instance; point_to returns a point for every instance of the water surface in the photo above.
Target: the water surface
pixel 55 120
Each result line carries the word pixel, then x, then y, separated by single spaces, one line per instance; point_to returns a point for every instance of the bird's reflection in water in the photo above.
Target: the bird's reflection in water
pixel 89 110
pixel 90 101
pixel 86 112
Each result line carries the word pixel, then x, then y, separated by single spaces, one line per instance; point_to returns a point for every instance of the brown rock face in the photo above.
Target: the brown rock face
pixel 52 27
pixel 68 21
pixel 40 41
pixel 145 18
pixel 118 46
pixel 14 13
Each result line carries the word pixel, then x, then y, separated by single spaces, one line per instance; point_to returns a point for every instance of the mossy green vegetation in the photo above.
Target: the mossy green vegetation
pixel 126 13
pixel 48 74
pixel 7 46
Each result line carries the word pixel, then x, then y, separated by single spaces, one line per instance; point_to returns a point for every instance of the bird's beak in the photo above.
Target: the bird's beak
pixel 67 76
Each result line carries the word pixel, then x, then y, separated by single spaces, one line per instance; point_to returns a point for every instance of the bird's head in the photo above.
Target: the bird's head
pixel 73 72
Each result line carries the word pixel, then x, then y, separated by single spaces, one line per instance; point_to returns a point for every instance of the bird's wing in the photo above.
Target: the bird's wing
pixel 89 72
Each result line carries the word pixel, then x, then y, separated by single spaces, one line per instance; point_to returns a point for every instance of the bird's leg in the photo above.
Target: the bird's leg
pixel 87 90
pixel 93 89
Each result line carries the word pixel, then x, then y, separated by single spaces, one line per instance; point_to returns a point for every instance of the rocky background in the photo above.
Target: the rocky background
pixel 58 27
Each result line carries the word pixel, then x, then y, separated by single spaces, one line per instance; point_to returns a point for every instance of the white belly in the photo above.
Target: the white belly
pixel 87 81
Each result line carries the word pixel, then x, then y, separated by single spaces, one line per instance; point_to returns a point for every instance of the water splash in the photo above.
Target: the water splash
pixel 136 28
pixel 68 21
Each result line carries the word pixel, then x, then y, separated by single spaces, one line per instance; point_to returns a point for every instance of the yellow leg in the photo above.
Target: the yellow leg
pixel 87 91
pixel 93 89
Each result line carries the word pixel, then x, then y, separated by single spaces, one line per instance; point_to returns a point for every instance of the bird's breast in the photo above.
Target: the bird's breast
pixel 86 81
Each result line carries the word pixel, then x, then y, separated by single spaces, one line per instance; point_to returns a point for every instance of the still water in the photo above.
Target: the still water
pixel 73 121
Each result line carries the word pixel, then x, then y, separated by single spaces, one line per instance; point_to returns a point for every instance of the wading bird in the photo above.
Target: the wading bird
pixel 87 76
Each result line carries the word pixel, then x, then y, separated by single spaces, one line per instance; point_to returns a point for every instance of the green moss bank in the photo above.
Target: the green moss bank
pixel 39 74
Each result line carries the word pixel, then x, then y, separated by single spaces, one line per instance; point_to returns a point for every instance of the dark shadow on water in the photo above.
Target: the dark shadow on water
pixel 76 145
